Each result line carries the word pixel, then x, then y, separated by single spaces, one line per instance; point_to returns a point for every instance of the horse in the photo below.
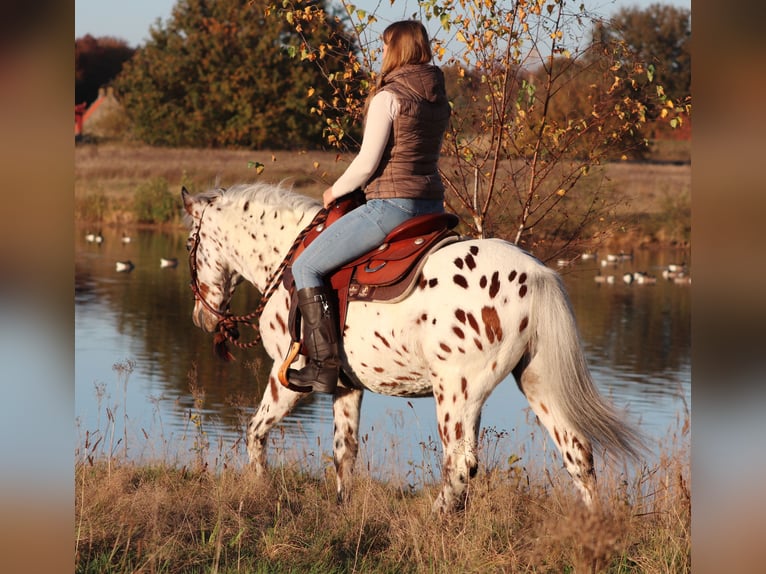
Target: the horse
pixel 482 309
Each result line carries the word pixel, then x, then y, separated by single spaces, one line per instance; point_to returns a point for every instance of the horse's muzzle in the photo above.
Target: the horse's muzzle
pixel 203 319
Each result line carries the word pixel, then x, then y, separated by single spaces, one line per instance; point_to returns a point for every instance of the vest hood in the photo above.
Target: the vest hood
pixel 425 80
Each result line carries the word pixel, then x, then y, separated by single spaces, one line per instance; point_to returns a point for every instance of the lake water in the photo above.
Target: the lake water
pixel 148 385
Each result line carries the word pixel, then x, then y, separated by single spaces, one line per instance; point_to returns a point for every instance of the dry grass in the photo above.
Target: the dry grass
pixel 158 517
pixel 652 202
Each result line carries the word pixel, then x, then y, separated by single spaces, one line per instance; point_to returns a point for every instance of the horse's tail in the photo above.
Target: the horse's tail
pixel 559 360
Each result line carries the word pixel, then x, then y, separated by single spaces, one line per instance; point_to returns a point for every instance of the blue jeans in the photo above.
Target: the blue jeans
pixel 354 234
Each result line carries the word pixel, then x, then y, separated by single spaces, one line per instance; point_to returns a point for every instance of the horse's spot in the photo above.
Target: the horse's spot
pixel 383 339
pixel 474 249
pixel 446 417
pixel 433 282
pixel 422 283
pixel 494 285
pixel 445 347
pixel 524 323
pixel 460 280
pixel 494 365
pixel 478 344
pixel 458 431
pixel 569 457
pixel 459 332
pixel 378 369
pixel 492 327
pixel 438 356
pixel 522 290
pixel 473 323
pixel 512 276
pixel 282 324
pixel 544 408
pixel 273 388
pixel 458 263
pixel 556 434
pixel 460 315
pixel 252 236
pixel 483 281
pixel 463 384
pixel 247 206
pixel 263 213
pixel 522 278
pixel 470 262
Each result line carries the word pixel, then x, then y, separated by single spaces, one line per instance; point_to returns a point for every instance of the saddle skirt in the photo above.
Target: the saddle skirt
pixel 388 273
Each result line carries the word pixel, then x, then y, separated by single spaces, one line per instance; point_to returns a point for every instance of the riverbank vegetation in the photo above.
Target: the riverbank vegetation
pixel 176 515
pixel 645 204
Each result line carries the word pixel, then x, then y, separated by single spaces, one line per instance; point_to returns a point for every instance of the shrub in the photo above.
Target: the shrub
pixel 153 202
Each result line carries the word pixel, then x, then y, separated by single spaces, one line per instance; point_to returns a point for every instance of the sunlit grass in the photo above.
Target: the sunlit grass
pixel 178 513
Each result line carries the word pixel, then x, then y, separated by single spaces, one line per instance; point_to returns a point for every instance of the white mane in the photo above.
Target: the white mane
pixel 272 195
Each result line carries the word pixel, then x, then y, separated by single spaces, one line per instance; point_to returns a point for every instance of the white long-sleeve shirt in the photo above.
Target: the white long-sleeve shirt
pixel 384 107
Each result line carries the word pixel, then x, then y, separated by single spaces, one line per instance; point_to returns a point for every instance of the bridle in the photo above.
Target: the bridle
pixel 227 322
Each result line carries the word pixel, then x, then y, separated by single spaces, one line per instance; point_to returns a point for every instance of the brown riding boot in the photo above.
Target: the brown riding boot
pixel 320 340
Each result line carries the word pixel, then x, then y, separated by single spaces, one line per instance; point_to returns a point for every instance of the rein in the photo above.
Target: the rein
pixel 227 324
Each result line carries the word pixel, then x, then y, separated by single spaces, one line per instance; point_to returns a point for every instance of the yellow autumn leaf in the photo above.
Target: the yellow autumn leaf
pixel 310 92
pixel 561 193
pixel 316 165
pixel 460 37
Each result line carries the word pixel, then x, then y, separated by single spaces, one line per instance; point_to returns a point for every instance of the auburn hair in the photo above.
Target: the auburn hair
pixel 406 43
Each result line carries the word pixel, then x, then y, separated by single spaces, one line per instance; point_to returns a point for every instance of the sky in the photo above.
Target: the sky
pixel 130 21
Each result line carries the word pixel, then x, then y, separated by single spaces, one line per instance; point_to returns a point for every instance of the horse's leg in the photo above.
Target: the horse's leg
pixel 576 450
pixel 458 416
pixel 276 403
pixel 346 409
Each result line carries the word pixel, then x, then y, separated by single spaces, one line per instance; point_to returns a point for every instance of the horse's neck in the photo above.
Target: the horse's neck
pixel 259 244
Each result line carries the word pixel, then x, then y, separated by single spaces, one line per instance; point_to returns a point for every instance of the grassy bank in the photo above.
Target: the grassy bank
pixel 154 517
pixel 116 184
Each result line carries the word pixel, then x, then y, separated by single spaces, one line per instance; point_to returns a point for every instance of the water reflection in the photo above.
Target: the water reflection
pixel 139 356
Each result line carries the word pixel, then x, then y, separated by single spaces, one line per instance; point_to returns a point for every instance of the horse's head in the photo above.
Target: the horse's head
pixel 212 280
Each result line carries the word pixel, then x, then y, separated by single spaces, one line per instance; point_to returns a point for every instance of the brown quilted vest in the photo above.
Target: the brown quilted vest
pixel 408 168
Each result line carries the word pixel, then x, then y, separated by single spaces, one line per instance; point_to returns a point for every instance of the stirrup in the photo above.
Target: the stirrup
pixel 292 353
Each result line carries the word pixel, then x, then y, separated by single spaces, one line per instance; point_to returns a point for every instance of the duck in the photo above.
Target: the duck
pixel 124 266
pixel 94 237
pixel 643 278
pixel 168 262
pixel 125 238
pixel 604 278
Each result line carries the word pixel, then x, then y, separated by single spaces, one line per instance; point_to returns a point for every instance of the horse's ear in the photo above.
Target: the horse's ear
pixel 188 201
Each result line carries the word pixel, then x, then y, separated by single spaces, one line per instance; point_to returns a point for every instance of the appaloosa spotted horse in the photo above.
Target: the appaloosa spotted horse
pixel 482 309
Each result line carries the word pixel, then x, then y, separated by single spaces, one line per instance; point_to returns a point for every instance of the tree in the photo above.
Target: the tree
pixel 658 40
pixel 220 73
pixel 97 61
pixel 537 107
pixel 658 36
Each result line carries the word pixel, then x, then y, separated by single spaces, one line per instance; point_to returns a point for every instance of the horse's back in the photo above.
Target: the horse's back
pixel 468 316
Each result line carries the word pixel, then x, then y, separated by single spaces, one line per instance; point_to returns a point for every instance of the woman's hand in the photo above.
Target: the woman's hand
pixel 327 197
